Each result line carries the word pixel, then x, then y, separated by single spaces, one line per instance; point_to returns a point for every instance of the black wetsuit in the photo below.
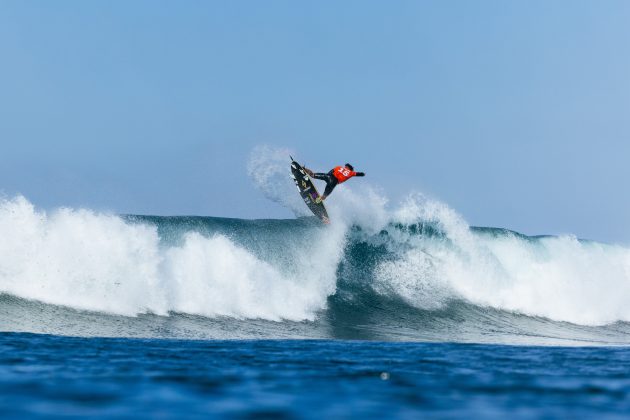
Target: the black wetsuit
pixel 331 181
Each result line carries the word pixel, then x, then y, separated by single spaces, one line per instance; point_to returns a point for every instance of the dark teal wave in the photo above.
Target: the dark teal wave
pixel 355 311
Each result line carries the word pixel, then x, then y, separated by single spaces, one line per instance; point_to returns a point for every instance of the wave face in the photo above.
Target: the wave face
pixel 418 272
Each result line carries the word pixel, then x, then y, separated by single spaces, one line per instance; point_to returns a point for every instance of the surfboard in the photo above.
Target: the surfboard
pixel 308 192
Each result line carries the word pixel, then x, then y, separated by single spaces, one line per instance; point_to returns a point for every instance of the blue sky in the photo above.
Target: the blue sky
pixel 517 114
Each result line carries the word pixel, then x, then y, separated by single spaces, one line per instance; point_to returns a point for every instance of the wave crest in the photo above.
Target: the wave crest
pixel 422 254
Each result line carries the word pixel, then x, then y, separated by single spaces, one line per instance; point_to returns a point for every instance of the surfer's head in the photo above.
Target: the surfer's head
pixel 349 167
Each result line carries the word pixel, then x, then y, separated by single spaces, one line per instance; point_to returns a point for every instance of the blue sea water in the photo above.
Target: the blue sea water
pixel 43 375
pixel 383 313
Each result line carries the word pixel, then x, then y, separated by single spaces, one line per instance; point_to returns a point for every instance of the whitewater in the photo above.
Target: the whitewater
pixel 412 271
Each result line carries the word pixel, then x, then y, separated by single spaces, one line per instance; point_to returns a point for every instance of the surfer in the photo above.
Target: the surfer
pixel 337 175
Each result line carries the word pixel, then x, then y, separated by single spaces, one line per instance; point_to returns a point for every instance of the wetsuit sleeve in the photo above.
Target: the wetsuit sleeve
pixel 359 174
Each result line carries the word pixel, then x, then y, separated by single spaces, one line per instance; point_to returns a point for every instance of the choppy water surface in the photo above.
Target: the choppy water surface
pixel 47 375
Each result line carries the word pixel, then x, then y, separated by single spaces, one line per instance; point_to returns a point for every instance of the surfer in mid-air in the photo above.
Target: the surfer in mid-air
pixel 335 176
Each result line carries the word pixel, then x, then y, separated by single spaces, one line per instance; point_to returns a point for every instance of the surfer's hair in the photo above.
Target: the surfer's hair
pixel 349 166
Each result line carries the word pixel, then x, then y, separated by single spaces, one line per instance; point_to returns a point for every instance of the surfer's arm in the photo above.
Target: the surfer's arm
pixel 359 174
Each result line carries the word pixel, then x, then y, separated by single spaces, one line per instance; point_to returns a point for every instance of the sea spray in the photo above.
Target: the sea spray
pixel 268 168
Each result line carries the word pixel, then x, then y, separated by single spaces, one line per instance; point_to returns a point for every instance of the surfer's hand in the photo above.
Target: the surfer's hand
pixel 360 174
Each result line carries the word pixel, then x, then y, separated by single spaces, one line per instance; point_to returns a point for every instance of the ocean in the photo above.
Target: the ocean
pixel 385 312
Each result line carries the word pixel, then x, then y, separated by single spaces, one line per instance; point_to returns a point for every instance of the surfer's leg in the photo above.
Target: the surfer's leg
pixel 319 175
pixel 331 183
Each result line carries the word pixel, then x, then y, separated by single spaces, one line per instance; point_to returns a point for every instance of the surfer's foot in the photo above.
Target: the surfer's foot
pixel 309 172
pixel 318 200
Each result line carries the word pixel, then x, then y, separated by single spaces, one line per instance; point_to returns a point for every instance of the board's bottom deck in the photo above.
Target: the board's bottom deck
pixel 308 191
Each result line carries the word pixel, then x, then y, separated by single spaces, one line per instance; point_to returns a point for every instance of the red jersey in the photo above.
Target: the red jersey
pixel 343 174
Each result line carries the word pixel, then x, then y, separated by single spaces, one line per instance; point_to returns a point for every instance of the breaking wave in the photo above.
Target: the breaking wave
pixel 415 272
pixel 412 271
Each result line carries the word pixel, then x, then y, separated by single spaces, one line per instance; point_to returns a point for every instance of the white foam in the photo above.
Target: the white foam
pixel 78 258
pixel 560 278
pixel 93 261
pixel 363 206
pixel 214 277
